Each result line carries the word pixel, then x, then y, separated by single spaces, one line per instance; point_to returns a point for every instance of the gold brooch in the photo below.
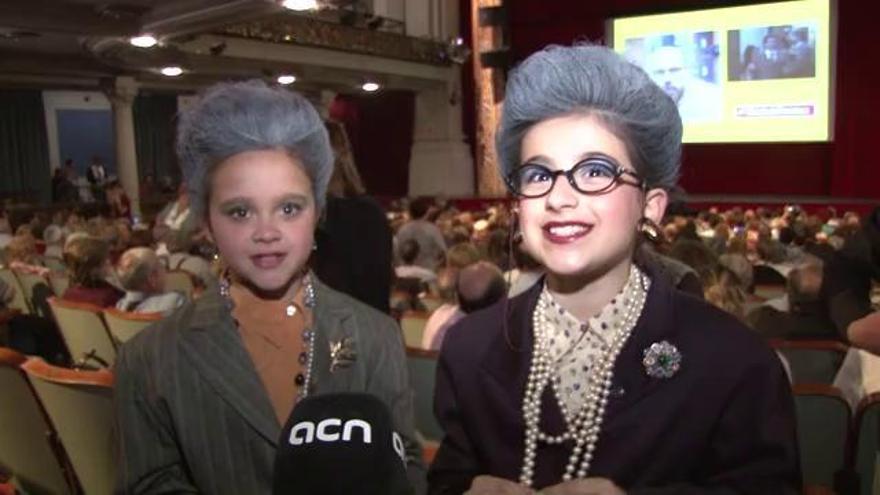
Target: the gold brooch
pixel 342 353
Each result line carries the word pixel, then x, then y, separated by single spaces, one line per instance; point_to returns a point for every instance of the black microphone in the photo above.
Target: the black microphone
pixel 340 444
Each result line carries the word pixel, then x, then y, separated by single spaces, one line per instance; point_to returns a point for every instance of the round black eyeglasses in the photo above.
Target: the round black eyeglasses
pixel 590 176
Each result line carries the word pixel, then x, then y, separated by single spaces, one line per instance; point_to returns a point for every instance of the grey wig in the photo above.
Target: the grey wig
pixel 596 81
pixel 231 118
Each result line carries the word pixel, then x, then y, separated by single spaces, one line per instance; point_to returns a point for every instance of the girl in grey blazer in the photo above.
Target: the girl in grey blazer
pixel 202 395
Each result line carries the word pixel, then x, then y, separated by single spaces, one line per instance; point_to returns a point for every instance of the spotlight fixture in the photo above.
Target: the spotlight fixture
pixel 144 41
pixel 456 51
pixel 300 5
pixel 171 71
pixel 286 79
pixel 370 87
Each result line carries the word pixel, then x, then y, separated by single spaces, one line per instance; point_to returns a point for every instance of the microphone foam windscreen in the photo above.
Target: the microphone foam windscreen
pixel 337 444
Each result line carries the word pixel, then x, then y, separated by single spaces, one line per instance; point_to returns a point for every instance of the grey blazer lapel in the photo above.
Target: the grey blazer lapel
pixel 332 328
pixel 212 344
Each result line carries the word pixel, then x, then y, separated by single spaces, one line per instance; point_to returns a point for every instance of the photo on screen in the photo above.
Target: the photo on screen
pixel 685 65
pixel 772 52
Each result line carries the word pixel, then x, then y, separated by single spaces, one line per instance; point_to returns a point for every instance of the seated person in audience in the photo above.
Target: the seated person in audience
pixel 461 255
pixel 143 277
pixel 526 274
pixel 407 294
pixel 498 248
pixel 804 317
pixel 677 273
pixel 698 257
pixel 176 222
pixel 120 205
pixel 181 256
pixel 409 252
pixel 22 256
pixel 88 265
pixel 848 274
pixel 53 236
pixel 727 292
pixel 740 267
pixel 864 333
pixel 478 286
pixel 430 239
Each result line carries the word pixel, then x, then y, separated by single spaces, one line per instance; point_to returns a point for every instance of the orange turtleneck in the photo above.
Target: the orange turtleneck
pixel 274 342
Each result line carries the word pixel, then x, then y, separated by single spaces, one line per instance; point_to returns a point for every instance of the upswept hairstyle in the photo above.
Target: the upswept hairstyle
pixel 596 81
pixel 231 118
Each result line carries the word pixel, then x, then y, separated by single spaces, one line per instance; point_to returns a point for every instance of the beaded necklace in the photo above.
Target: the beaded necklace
pixel 307 355
pixel 583 429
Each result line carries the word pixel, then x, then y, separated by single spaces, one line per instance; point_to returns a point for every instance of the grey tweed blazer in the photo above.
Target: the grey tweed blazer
pixel 192 415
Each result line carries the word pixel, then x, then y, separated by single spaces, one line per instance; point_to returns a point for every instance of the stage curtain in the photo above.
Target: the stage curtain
pixel 380 128
pixel 24 148
pixel 154 127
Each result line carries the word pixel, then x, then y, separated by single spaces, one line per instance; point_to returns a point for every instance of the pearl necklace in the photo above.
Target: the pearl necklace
pixel 583 430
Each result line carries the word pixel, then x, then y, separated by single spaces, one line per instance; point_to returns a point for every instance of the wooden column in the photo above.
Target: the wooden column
pixel 488 94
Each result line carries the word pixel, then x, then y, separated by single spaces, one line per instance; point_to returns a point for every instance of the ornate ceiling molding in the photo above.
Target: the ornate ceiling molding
pixel 305 31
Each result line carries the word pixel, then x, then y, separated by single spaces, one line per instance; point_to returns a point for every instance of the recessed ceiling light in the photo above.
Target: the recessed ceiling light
pixel 172 71
pixel 286 79
pixel 369 87
pixel 300 5
pixel 144 41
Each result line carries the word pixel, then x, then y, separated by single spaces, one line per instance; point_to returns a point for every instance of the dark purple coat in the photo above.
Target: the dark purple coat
pixel 723 424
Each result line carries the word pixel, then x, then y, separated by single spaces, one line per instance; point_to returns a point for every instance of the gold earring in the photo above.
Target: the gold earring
pixel 649 229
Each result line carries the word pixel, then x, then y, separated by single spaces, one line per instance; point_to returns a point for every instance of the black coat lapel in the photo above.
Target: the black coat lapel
pixel 508 361
pixel 630 382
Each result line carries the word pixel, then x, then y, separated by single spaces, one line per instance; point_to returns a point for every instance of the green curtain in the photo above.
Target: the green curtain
pixel 24 148
pixel 154 124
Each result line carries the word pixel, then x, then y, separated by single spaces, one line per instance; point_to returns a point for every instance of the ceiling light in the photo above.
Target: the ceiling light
pixel 144 41
pixel 369 87
pixel 172 71
pixel 286 79
pixel 300 5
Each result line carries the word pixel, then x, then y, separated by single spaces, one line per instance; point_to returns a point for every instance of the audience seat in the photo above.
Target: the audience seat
pixel 866 444
pixel 422 367
pixel 80 407
pixel 18 302
pixel 29 452
pixel 413 325
pixel 765 275
pixel 59 282
pixel 124 325
pixel 6 316
pixel 771 291
pixel 87 338
pixel 431 303
pixel 824 421
pixel 29 282
pixel 180 281
pixel 53 263
pixel 812 361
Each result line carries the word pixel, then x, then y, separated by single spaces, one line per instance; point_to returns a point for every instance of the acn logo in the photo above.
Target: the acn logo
pixel 328 431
